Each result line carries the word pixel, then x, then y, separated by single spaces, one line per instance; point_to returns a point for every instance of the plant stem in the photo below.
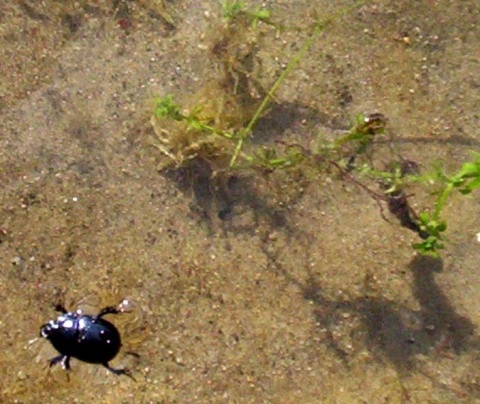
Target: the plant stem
pixel 291 65
pixel 319 26
pixel 441 201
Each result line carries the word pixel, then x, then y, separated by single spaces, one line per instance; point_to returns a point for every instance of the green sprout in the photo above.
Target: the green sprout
pixel 434 237
pixel 269 158
pixel 235 8
pixel 166 108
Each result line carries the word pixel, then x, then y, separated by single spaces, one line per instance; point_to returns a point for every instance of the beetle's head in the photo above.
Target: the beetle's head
pixel 47 329
pixel 63 323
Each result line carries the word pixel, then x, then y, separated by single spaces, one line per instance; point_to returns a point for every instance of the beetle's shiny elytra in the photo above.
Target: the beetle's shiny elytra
pixel 88 338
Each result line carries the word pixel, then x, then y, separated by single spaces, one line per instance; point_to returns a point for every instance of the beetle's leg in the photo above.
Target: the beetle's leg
pixel 120 308
pixel 55 360
pixel 63 359
pixel 59 307
pixel 108 310
pixel 119 372
pixel 66 362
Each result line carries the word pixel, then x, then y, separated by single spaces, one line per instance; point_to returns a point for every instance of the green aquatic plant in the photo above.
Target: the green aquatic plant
pixel 183 136
pixel 466 180
pixel 219 110
pixel 246 132
pixel 269 158
pixel 212 128
pixel 396 180
pixel 166 108
pixel 293 63
pixel 227 106
pixel 232 9
pixel 429 224
pixel 434 239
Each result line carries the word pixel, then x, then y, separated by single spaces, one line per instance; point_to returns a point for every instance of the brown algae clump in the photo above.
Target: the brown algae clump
pixel 208 125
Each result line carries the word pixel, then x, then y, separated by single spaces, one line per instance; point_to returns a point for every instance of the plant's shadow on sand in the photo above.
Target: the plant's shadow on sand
pixel 397 333
pixel 393 333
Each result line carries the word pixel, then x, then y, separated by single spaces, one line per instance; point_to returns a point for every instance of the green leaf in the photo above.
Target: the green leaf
pixel 430 246
pixel 165 107
pixel 232 9
pixel 262 14
pixel 468 178
pixel 471 186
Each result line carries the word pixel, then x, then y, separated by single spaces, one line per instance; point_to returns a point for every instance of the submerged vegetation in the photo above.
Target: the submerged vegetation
pixel 213 128
pixel 466 180
pixel 205 127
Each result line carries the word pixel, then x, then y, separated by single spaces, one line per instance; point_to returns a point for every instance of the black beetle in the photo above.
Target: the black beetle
pixel 88 338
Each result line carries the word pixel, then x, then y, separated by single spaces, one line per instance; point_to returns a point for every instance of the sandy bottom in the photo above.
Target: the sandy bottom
pixel 303 292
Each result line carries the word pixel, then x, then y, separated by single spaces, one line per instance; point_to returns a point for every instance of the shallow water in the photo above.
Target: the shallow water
pixel 304 293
